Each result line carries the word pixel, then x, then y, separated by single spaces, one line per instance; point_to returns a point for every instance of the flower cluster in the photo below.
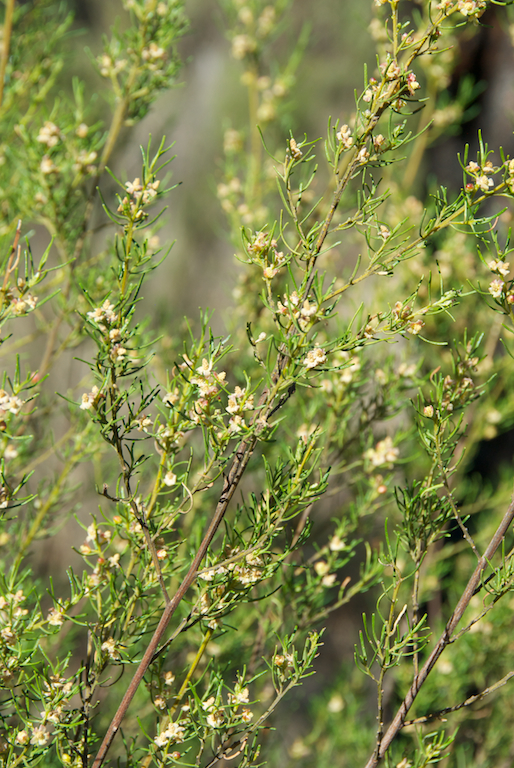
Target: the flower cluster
pixel 49 135
pixel 384 454
pixel 481 176
pixel 344 136
pixel 174 733
pixel 109 67
pixel 498 288
pixel 315 357
pixel 103 314
pixel 305 313
pixel 139 195
pixel 9 404
pixel 322 568
pixel 238 402
pixel 89 399
pixel 208 381
pixel 22 304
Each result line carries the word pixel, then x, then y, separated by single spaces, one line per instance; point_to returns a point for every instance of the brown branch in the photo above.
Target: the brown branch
pixel 231 482
pixel 466 703
pixel 239 464
pixel 446 637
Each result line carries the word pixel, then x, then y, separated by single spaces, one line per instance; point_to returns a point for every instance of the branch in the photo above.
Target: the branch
pixel 466 703
pixel 230 485
pixel 399 720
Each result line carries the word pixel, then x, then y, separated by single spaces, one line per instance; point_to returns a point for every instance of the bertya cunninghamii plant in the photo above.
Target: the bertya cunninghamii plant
pixel 251 487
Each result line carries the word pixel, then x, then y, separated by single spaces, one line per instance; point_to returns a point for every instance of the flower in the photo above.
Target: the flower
pixel 153 52
pixel 345 137
pixel 216 718
pixel 209 704
pixel 174 733
pixel 47 165
pixel 109 648
pixel 40 736
pixel 22 737
pixel 242 45
pixel 496 288
pixel 383 453
pixel 55 617
pixel 240 695
pixel 246 715
pixel 412 83
pixel 314 358
pixel 336 544
pixel 484 183
pixel 415 326
pixel 105 312
pixel 501 267
pixel 363 155
pixel 169 479
pixel 49 134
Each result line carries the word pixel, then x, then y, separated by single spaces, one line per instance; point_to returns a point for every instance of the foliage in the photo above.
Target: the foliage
pixel 361 369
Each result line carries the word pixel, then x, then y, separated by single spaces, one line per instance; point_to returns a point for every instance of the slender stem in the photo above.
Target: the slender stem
pixel 183 688
pixel 446 637
pixel 9 11
pixel 470 700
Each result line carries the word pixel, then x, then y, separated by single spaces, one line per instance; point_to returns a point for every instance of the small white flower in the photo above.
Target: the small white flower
pixel 169 479
pixel 49 134
pixel 496 288
pixel 345 137
pixel 47 165
pixel 321 567
pixel 363 155
pixel 109 647
pixel 209 704
pixel 40 736
pixel 484 183
pixel 500 267
pixel 314 358
pixel 384 453
pixel 216 718
pixel 415 327
pixel 336 544
pixel 55 617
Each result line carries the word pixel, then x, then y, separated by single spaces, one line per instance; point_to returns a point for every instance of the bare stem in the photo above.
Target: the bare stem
pixel 6 43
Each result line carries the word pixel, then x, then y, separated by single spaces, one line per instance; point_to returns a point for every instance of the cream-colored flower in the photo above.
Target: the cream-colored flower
pixel 49 134
pixel 216 718
pixel 383 453
pixel 40 736
pixel 314 358
pixel 496 288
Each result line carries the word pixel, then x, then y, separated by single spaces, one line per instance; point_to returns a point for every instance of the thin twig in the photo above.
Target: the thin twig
pixel 237 469
pixel 6 44
pixel 446 637
pixel 466 703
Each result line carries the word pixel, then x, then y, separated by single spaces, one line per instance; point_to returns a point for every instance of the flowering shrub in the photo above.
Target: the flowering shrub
pixel 250 486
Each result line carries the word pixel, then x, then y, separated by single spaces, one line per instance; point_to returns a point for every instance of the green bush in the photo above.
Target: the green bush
pixel 236 493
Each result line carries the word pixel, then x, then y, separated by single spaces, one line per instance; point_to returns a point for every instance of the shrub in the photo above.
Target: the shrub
pixel 252 484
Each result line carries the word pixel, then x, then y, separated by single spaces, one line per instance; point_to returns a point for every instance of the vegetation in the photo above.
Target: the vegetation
pixel 251 487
